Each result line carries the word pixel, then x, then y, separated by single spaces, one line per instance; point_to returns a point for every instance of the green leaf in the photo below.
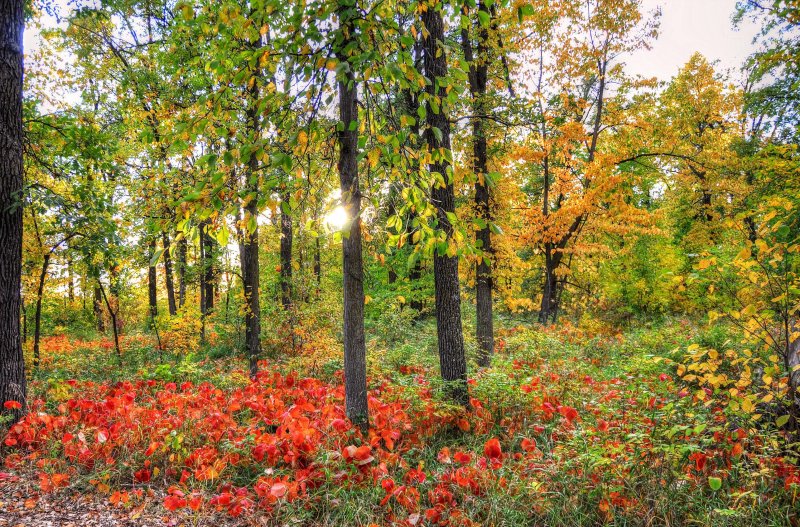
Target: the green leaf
pixel 484 18
pixel 781 421
pixel 156 257
pixel 715 483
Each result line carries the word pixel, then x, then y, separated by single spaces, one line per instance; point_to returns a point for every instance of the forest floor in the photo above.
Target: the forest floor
pixel 567 427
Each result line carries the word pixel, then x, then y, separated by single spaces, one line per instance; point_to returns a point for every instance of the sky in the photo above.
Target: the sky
pixel 694 25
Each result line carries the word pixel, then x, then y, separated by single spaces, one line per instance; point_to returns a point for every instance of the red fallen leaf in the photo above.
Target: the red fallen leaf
pixel 444 456
pixel 142 476
pixel 388 485
pixel 59 480
pixel 463 425
pixel 699 460
pixel 492 449
pixel 119 497
pixel 663 377
pixel 602 425
pixel 569 413
pixel 195 502
pixel 358 455
pixel 528 445
pixel 462 458
pixel 12 405
pixel 30 503
pixel 737 449
pixel 278 490
pixel 539 429
pixel 174 502
pixel 340 425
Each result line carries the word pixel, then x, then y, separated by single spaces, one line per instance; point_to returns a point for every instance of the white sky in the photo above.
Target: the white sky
pixel 694 25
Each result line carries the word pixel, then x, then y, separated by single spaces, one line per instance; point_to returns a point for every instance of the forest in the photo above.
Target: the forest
pixel 381 263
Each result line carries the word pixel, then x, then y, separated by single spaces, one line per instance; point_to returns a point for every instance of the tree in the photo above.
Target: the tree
pixel 12 367
pixel 452 360
pixel 478 77
pixel 355 367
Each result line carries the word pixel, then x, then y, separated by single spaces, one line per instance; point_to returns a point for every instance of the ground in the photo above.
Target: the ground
pixel 566 428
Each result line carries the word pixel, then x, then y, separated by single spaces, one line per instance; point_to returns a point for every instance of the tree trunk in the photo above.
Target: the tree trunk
pixel 37 317
pixel 317 265
pixel 549 305
pixel 355 352
pixel 207 276
pixel 12 366
pixel 452 360
pixel 182 250
pixel 249 249
pixel 114 325
pixel 70 281
pixel 97 304
pixel 286 252
pixel 173 309
pixel 478 74
pixel 152 291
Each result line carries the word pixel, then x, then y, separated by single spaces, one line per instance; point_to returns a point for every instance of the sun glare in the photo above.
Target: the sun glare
pixel 336 219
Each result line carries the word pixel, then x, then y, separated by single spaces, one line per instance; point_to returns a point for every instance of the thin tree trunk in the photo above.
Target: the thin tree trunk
pixel 249 249
pixel 317 265
pixel 97 305
pixel 37 317
pixel 152 291
pixel 113 315
pixel 173 308
pixel 70 281
pixel 286 252
pixel 478 74
pixel 182 250
pixel 12 366
pixel 207 277
pixel 355 352
pixel 452 360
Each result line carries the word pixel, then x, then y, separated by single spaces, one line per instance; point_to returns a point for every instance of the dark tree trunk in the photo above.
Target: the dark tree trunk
pixel 249 249
pixel 317 265
pixel 37 316
pixel 452 360
pixel 70 281
pixel 97 305
pixel 12 367
pixel 173 308
pixel 207 276
pixel 114 323
pixel 478 74
pixel 549 306
pixel 286 252
pixel 152 291
pixel 182 250
pixel 355 353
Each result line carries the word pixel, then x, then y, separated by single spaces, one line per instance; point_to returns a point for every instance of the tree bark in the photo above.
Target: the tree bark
pixel 286 252
pixel 37 316
pixel 12 366
pixel 70 281
pixel 452 360
pixel 173 308
pixel 182 250
pixel 152 291
pixel 355 353
pixel 478 74
pixel 97 305
pixel 207 276
pixel 249 248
